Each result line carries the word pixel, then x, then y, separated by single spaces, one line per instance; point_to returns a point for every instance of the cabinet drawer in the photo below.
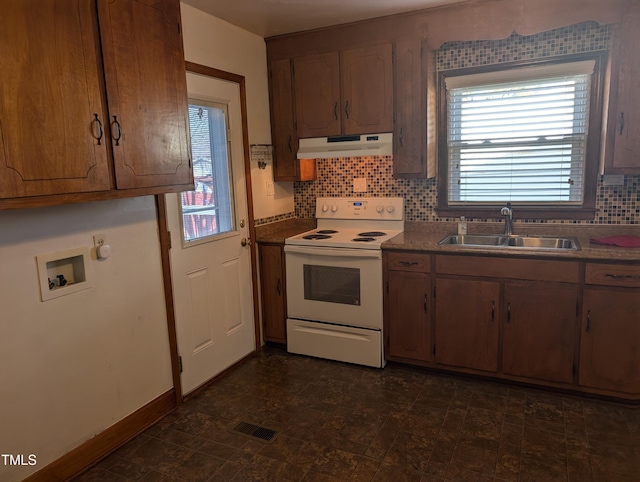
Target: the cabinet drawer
pixel 527 269
pixel 613 275
pixel 408 262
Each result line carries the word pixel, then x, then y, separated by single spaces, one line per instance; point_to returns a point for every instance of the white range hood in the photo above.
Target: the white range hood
pixel 346 146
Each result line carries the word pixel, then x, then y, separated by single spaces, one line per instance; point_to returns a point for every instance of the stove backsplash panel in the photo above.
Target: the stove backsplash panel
pixel 615 204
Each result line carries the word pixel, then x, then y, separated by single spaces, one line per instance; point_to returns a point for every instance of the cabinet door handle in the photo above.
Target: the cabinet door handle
pixel 621 122
pixel 508 312
pixel 408 263
pixel 493 310
pixel 100 129
pixel 400 138
pixel 588 321
pixel 346 109
pixel 622 276
pixel 117 124
pixel 425 303
pixel 289 144
pixel 278 288
pixel 335 111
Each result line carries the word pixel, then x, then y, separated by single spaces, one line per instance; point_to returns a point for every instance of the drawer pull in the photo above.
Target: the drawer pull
pixel 588 321
pixel 278 289
pixel 408 263
pixel 508 312
pixel 425 303
pixel 623 276
pixel 493 310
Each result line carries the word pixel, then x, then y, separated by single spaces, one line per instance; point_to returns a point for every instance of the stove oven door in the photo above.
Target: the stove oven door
pixel 335 285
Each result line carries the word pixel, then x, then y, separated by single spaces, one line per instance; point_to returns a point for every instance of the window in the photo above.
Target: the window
pixel 208 210
pixel 528 135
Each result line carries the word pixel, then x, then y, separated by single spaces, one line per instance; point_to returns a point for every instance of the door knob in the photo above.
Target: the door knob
pixel 242 222
pixel 245 241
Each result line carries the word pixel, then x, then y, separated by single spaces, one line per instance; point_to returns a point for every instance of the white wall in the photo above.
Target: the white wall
pixel 215 43
pixel 72 366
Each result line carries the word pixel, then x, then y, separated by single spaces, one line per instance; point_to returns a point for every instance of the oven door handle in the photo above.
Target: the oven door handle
pixel 335 252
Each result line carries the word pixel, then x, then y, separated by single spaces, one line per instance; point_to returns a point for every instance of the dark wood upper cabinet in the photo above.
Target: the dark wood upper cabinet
pixel 146 91
pixel 93 100
pixel 347 92
pixel 283 132
pixel 317 94
pixel 623 147
pixel 367 90
pixel 409 132
pixel 52 113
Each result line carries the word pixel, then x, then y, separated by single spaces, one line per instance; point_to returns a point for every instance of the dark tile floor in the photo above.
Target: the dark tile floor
pixel 338 422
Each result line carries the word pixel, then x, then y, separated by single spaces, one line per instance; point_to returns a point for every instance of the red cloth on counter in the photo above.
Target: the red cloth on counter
pixel 623 240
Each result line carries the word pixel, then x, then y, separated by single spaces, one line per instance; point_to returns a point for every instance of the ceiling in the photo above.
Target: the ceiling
pixel 267 18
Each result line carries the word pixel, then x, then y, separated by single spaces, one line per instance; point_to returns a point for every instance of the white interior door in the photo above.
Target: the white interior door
pixel 210 265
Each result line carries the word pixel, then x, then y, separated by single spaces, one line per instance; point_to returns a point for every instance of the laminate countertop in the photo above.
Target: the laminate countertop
pixel 424 236
pixel 277 232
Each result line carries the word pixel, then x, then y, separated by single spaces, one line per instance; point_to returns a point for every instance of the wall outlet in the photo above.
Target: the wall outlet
pixel 360 184
pixel 99 240
pixel 270 188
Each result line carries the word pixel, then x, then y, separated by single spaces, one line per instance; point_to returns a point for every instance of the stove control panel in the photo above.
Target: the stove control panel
pixel 384 208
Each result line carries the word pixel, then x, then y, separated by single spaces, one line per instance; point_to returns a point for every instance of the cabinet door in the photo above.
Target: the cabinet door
pixel 539 331
pixel 367 90
pixel 409 131
pixel 146 92
pixel 285 140
pixel 273 293
pixel 408 312
pixel 610 343
pixel 51 108
pixel 467 313
pixel 624 114
pixel 317 89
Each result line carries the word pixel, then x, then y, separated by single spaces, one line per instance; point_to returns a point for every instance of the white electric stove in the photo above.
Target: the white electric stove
pixel 334 279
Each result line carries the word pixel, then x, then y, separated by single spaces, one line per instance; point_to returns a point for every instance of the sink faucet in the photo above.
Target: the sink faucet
pixel 507 212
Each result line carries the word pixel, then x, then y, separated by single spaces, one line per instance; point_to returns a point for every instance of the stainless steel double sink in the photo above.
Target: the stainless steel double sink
pixel 513 241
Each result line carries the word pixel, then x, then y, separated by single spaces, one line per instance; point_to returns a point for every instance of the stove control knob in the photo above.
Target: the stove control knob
pixel 325 208
pixel 334 208
pixel 379 208
pixel 390 208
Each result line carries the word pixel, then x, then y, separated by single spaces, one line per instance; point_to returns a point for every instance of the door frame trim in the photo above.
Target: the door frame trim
pixel 165 241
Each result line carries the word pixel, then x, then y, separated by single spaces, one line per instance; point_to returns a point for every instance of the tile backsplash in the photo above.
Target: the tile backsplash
pixel 614 204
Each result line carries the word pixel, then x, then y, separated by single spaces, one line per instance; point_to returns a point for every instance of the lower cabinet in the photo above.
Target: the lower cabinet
pixel 272 291
pixel 539 335
pixel 518 319
pixel 467 313
pixel 610 347
pixel 408 306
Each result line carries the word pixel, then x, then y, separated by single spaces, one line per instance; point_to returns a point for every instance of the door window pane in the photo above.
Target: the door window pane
pixel 208 210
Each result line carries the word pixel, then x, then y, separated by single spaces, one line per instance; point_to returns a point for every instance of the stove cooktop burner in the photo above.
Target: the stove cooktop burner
pixel 364 239
pixel 326 231
pixel 373 234
pixel 316 236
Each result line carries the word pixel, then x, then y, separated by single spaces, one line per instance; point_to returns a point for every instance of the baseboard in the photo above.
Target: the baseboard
pixel 84 456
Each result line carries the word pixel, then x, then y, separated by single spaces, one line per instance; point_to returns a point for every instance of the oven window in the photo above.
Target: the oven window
pixel 332 284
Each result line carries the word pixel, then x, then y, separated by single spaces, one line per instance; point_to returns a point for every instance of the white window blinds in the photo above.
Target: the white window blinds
pixel 519 135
